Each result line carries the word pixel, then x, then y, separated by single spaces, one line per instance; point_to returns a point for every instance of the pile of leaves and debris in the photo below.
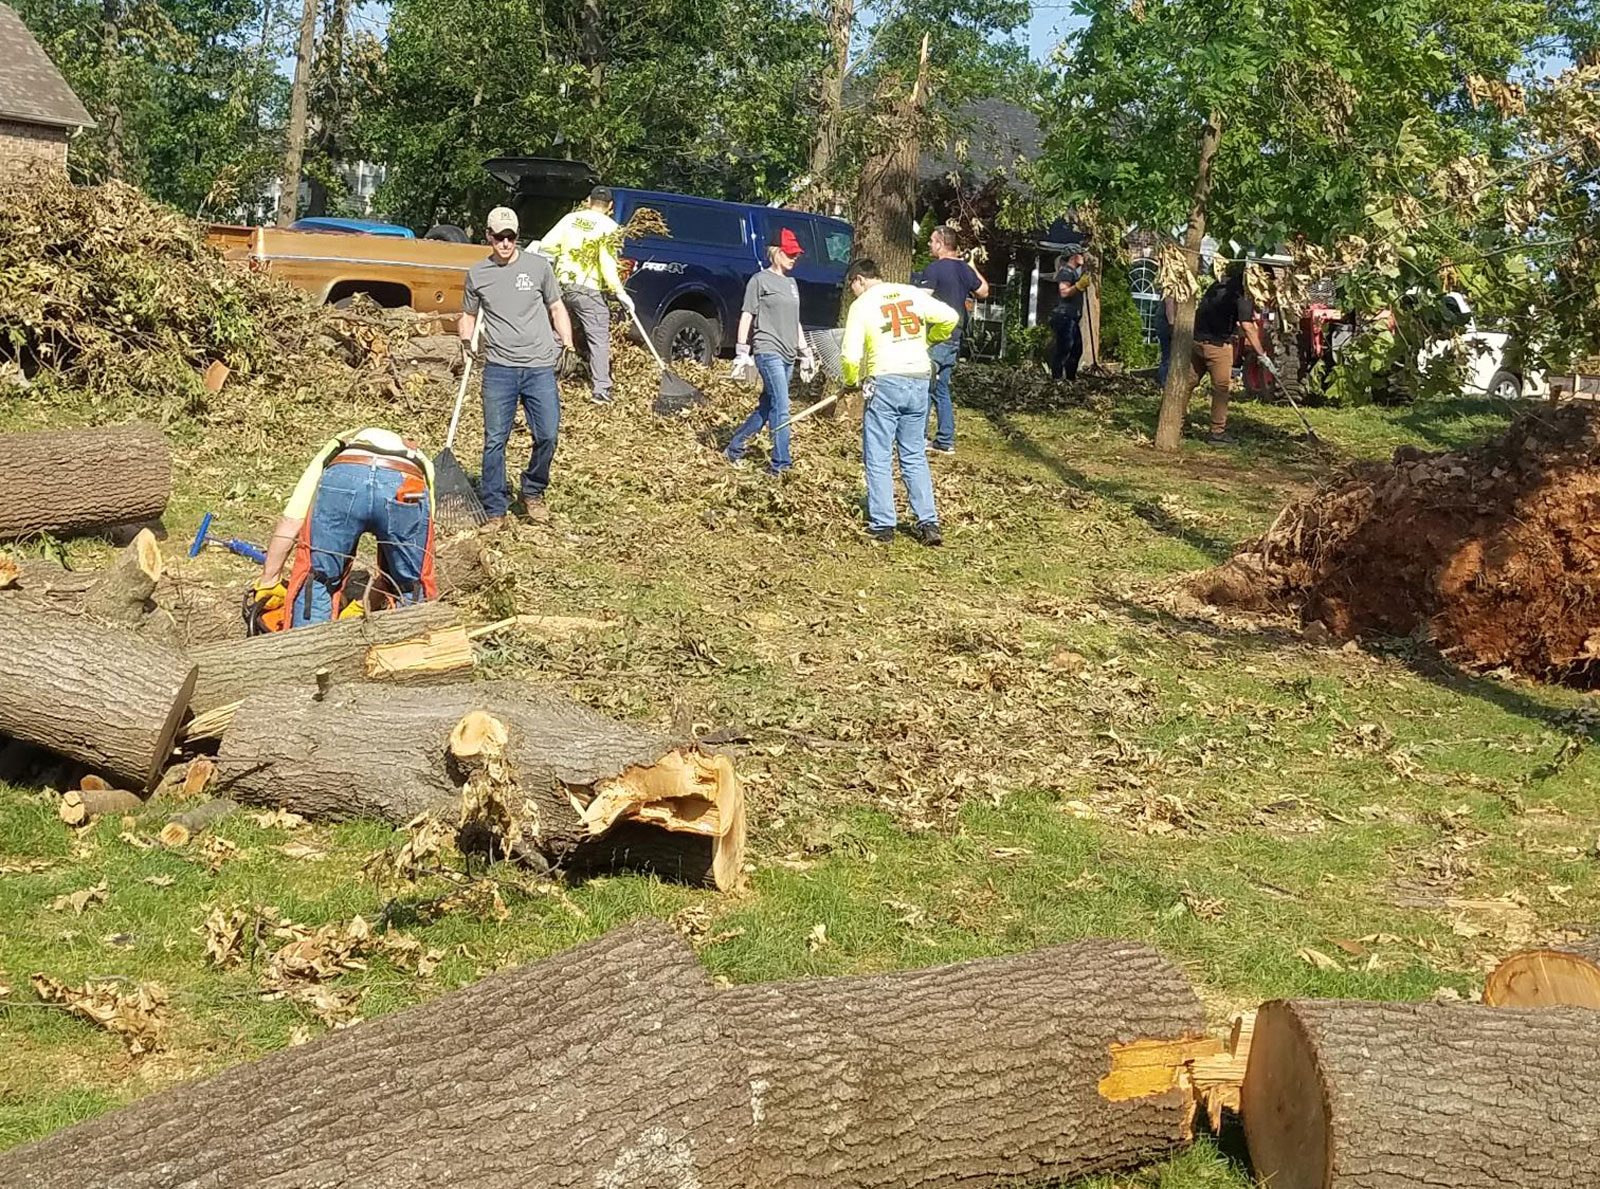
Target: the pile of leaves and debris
pixel 1492 552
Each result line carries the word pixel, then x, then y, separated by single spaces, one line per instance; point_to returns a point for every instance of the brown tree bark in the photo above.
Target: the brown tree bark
pixel 1175 396
pixel 1562 976
pixel 120 594
pixel 1345 1095
pixel 295 136
pixel 384 752
pixel 82 480
pixel 840 18
pixel 289 661
pixel 886 198
pixel 98 695
pixel 617 1066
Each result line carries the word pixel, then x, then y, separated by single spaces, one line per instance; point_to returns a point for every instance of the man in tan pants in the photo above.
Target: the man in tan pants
pixel 1224 311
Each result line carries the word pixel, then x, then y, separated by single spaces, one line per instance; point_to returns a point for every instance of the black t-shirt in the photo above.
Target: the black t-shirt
pixel 1071 306
pixel 1219 314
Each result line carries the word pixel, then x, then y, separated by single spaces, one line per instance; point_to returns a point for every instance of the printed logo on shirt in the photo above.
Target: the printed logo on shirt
pixel 524 282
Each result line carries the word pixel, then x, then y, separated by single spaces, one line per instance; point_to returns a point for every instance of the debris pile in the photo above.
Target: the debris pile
pixel 1493 552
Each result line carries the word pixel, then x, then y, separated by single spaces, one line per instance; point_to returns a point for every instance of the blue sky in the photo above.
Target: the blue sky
pixel 1046 28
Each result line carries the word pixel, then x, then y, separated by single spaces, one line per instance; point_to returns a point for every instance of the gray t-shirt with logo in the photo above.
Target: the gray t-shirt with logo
pixel 515 299
pixel 773 301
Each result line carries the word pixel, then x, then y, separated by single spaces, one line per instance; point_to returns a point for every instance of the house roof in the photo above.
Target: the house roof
pixel 32 90
pixel 997 134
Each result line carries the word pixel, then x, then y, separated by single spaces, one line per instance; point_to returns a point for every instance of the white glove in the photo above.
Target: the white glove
pixel 741 353
pixel 808 366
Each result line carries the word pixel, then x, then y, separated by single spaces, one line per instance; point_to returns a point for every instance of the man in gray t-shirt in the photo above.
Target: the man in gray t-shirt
pixel 773 302
pixel 516 295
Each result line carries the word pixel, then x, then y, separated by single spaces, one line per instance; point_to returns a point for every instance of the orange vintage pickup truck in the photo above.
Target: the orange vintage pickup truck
pixel 425 274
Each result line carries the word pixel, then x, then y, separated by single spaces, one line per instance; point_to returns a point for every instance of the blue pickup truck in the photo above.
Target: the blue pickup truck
pixel 689 287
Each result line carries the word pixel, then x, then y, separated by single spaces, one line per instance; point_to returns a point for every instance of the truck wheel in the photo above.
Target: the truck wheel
pixel 684 334
pixel 1505 386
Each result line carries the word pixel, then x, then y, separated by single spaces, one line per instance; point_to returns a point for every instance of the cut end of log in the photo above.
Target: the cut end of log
pixel 1283 1103
pixel 10 571
pixel 438 653
pixel 1547 978
pixel 478 733
pixel 173 834
pixel 145 554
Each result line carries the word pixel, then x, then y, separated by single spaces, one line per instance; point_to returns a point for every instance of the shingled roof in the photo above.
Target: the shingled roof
pixel 32 90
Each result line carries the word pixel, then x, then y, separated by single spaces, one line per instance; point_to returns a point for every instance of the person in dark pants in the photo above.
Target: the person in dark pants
pixel 1166 314
pixel 583 247
pixel 952 280
pixel 1225 310
pixel 525 329
pixel 1067 320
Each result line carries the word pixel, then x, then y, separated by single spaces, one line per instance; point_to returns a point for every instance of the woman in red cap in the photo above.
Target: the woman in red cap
pixel 769 327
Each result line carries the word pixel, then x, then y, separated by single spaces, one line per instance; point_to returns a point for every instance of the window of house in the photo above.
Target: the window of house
pixel 1146 295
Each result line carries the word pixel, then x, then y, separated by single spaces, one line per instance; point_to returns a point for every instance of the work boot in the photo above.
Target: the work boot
pixel 928 533
pixel 1220 439
pixel 531 511
pixel 493 527
pixel 881 536
pixel 948 451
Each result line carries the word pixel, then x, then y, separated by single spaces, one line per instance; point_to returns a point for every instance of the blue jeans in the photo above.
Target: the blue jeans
pixel 944 363
pixel 896 419
pixel 503 389
pixel 353 499
pixel 1166 358
pixel 773 410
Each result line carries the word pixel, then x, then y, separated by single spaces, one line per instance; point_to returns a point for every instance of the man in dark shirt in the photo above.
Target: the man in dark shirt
pixel 1224 311
pixel 951 278
pixel 1067 320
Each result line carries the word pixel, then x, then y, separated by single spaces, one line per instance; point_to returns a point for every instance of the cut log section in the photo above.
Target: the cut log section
pixel 444 654
pixel 80 806
pixel 390 753
pixel 1565 976
pixel 92 693
pixel 1344 1095
pixel 1219 1077
pixel 287 661
pixel 616 1064
pixel 82 480
pixel 120 594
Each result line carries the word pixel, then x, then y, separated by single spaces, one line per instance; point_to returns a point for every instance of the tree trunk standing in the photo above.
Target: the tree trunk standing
pixel 329 99
pixel 840 19
pixel 82 480
pixel 1175 396
pixel 616 1065
pixel 97 695
pixel 295 136
pixel 1567 976
pixel 592 50
pixel 111 64
pixel 1346 1095
pixel 887 194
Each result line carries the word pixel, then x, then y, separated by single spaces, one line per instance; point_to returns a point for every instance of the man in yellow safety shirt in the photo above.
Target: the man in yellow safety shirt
pixel 366 481
pixel 583 247
pixel 886 338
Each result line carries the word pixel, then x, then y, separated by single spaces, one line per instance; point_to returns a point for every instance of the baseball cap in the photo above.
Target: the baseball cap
pixel 502 218
pixel 600 194
pixel 786 243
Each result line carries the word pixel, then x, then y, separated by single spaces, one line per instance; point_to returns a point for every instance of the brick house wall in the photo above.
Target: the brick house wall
pixel 27 147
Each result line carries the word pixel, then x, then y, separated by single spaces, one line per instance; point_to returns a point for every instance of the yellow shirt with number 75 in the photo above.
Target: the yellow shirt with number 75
pixel 889 329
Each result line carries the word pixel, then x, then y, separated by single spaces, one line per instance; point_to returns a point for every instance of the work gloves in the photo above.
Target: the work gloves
pixel 744 367
pixel 459 367
pixel 569 366
pixel 265 609
pixel 808 363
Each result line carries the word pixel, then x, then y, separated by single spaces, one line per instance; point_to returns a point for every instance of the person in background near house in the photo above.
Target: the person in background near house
pixel 1072 279
pixel 1225 310
pixel 769 326
pixel 364 481
pixel 1166 314
pixel 525 329
pixel 583 245
pixel 886 338
pixel 952 280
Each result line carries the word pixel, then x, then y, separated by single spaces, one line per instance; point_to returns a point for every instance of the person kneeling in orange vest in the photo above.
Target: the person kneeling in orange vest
pixel 369 481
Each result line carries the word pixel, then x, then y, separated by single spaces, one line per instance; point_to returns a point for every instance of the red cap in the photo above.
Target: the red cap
pixel 788 244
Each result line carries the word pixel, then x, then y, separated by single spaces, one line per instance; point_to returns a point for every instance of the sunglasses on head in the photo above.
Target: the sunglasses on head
pixel 501 236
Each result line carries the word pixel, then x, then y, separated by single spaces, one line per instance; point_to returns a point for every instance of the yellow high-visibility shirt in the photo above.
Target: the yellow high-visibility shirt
pixel 889 329
pixel 581 247
pixel 378 441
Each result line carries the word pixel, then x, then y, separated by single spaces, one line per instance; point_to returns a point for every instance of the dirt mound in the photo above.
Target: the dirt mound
pixel 1494 551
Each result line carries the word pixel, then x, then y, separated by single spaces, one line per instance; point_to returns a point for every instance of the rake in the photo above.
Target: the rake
pixel 826 346
pixel 677 394
pixel 455 500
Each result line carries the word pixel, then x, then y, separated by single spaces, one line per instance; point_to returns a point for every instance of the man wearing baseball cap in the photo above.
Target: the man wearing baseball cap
pixel 583 245
pixel 525 327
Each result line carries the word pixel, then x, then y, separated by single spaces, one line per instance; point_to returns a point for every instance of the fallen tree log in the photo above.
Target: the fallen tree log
pixel 1345 1095
pixel 288 661
pixel 80 806
pixel 120 594
pixel 83 480
pixel 95 694
pixel 617 1065
pixel 385 752
pixel 1561 976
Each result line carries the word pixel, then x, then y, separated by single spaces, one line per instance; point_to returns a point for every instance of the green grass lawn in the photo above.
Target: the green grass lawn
pixel 1027 737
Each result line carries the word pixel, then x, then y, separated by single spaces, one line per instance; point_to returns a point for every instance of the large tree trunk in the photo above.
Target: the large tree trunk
pixel 97 695
pixel 1344 1095
pixel 617 1065
pixel 384 752
pixel 120 594
pixel 295 136
pixel 841 15
pixel 1175 396
pixel 82 480
pixel 886 199
pixel 290 661
pixel 1564 976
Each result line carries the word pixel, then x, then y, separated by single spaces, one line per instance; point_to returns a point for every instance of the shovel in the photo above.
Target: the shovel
pixel 456 503
pixel 1311 434
pixel 677 394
